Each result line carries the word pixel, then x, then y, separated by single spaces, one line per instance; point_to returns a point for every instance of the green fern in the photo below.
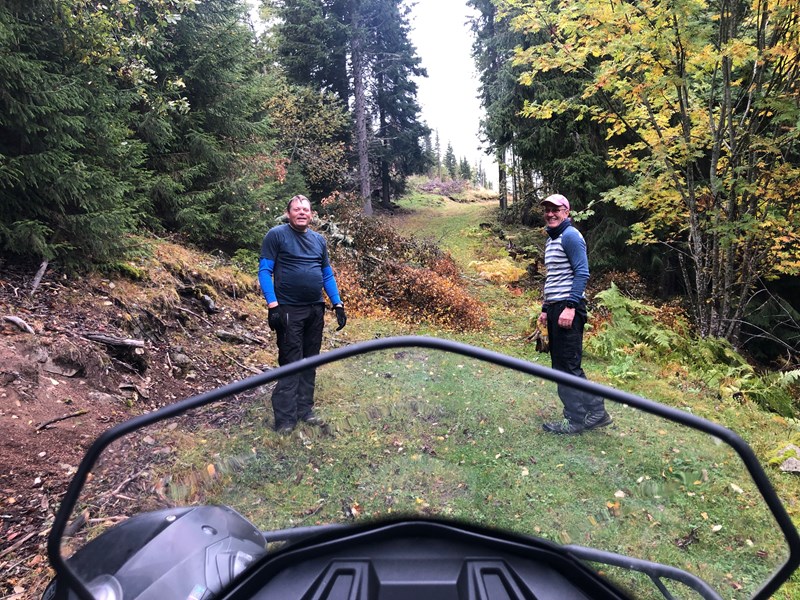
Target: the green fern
pixel 632 323
pixel 634 331
pixel 774 391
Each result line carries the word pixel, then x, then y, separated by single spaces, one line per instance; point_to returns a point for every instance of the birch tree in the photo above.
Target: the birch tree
pixel 709 91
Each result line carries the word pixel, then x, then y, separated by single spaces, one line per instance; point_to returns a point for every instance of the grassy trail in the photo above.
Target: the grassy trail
pixel 456 228
pixel 452 225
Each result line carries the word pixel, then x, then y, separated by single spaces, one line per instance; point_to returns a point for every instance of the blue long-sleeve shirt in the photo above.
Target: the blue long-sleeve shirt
pixel 294 267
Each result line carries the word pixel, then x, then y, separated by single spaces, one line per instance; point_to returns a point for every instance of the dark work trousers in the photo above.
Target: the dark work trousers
pixel 566 354
pixel 293 397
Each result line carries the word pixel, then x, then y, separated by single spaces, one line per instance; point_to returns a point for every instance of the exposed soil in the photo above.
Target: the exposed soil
pixel 78 357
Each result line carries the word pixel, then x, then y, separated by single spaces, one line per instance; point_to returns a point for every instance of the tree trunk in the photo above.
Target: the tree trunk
pixel 361 116
pixel 502 183
pixel 386 186
pixel 386 180
pixel 528 193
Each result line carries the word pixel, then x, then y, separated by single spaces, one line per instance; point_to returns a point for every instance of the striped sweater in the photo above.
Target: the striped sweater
pixel 566 263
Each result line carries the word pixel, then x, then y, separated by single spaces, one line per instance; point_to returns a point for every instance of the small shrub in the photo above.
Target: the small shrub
pixel 246 260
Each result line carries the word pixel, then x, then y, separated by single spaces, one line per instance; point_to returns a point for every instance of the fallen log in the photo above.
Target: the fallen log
pixel 111 340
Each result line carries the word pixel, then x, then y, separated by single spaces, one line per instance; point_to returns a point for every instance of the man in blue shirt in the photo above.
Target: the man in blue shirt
pixel 293 271
pixel 564 313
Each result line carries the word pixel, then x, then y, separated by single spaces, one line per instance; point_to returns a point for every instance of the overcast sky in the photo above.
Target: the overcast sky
pixel 448 96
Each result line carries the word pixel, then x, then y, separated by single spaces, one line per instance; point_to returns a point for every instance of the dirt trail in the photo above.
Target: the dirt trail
pixel 60 386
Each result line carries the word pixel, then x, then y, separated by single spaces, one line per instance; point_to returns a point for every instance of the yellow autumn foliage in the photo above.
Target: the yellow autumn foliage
pixel 502 270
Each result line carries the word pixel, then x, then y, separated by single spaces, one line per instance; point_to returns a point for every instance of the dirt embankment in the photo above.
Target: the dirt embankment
pixel 78 356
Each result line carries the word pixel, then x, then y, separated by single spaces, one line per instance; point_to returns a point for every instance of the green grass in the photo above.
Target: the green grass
pixel 419 433
pixel 455 227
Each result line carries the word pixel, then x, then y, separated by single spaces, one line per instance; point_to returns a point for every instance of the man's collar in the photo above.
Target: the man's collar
pixel 557 231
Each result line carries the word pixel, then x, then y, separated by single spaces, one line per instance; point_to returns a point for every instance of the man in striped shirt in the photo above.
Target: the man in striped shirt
pixel 564 313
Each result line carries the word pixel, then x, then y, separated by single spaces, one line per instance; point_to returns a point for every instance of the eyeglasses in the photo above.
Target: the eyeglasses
pixel 547 209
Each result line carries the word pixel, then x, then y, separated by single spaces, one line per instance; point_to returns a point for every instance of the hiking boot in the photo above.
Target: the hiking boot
pixel 590 421
pixel 594 421
pixel 564 426
pixel 314 420
pixel 285 430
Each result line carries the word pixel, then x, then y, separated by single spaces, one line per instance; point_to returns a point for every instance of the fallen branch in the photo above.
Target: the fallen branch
pixel 19 323
pixel 108 520
pixel 194 314
pixel 238 338
pixel 17 544
pixel 38 279
pixel 127 367
pixel 76 524
pixel 116 491
pixel 112 340
pixel 64 418
pixel 251 369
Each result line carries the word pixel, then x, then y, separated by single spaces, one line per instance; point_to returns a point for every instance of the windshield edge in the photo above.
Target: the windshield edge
pixel 70 579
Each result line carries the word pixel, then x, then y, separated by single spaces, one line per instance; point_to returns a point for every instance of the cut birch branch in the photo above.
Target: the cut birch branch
pixel 39 274
pixel 46 424
pixel 19 323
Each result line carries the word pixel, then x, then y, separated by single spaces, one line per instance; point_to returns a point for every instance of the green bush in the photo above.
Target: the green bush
pixel 635 329
pixel 246 260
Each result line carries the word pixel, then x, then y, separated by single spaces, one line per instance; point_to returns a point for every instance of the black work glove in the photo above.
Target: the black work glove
pixel 275 319
pixel 341 317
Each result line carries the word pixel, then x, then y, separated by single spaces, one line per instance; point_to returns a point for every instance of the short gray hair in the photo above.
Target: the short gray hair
pixel 297 198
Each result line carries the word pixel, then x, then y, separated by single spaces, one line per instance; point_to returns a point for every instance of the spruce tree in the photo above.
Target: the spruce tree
pixel 215 167
pixel 400 134
pixel 69 184
pixel 450 162
pixel 318 39
pixel 313 42
pixel 464 170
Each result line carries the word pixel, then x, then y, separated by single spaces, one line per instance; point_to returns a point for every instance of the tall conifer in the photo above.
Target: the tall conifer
pixel 69 185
